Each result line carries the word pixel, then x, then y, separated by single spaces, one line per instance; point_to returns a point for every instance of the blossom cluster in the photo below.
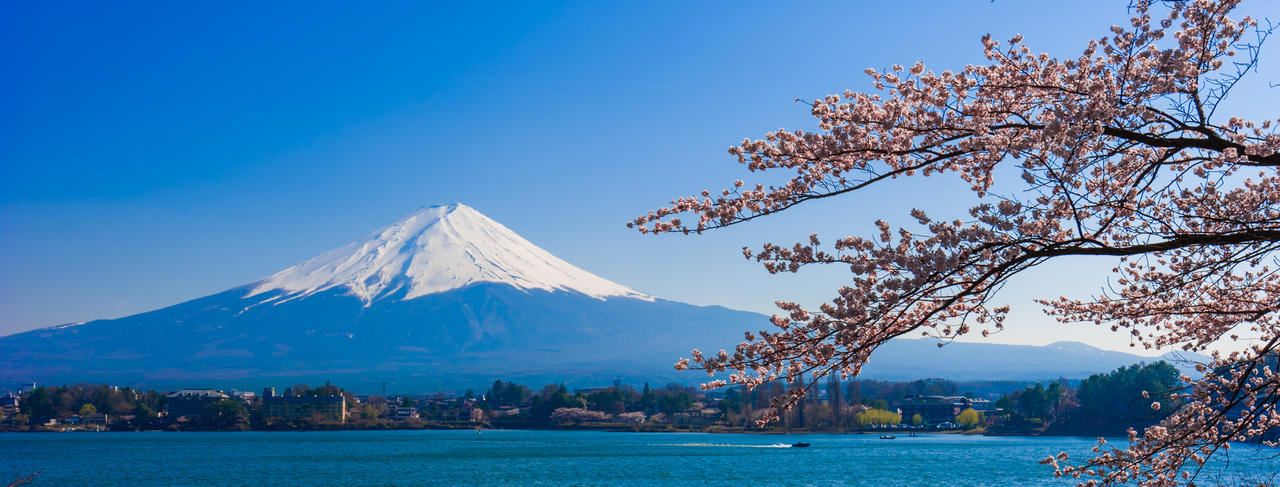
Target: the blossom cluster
pixel 578 415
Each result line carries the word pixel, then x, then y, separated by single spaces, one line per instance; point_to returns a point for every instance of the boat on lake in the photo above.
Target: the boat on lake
pixel 888 437
pixel 800 445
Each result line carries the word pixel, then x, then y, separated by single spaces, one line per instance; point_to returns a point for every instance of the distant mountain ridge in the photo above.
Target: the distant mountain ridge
pixel 906 359
pixel 446 299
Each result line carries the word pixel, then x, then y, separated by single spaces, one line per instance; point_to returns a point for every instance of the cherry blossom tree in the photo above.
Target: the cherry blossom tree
pixel 1117 152
pixel 578 415
pixel 634 417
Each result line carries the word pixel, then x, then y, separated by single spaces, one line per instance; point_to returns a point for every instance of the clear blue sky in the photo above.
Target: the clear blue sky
pixel 154 153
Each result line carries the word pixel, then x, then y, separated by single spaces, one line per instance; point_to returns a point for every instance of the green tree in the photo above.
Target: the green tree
pixel 226 414
pixel 648 400
pixel 612 400
pixel 87 409
pixel 877 417
pixel 554 397
pixel 1034 402
pixel 325 390
pixel 970 418
pixel 1115 401
pixel 674 402
pixel 40 404
pixel 506 394
pixel 916 419
pixel 143 411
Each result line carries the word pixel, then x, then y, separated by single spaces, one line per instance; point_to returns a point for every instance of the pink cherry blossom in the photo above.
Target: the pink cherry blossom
pixel 1121 152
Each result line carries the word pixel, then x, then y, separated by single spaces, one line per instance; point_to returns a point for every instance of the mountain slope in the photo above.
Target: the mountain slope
pixel 448 340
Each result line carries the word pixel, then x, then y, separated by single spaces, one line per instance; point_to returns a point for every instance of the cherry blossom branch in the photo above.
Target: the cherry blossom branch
pixel 1121 157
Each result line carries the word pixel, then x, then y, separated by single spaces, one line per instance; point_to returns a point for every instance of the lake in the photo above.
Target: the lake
pixel 514 457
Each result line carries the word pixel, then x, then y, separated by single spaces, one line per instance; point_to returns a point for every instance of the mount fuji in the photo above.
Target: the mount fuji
pixel 443 299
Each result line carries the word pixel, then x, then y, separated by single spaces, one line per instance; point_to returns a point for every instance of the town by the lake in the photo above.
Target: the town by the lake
pixel 1094 406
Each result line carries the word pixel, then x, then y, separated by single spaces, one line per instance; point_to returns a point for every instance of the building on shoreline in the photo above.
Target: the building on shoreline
pixel 294 408
pixel 191 403
pixel 9 406
pixel 403 414
pixel 940 409
pixel 246 397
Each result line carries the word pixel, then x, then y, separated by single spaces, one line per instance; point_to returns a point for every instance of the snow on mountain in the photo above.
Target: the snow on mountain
pixel 433 250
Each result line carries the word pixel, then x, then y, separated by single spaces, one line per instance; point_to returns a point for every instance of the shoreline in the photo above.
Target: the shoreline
pixel 587 427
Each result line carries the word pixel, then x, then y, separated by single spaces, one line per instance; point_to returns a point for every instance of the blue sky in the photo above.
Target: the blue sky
pixel 154 153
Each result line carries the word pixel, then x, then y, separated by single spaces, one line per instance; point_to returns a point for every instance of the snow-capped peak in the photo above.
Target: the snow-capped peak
pixel 436 249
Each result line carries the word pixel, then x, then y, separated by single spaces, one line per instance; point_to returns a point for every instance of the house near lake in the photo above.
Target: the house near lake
pixel 191 403
pixel 293 408
pixel 940 409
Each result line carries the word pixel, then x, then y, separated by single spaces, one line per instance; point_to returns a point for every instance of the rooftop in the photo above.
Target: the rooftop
pixel 302 399
pixel 209 393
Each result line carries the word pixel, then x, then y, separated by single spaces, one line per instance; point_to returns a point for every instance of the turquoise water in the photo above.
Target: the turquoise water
pixel 398 458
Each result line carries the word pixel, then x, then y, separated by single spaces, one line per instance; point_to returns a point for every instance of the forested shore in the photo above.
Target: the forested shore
pixel 1101 405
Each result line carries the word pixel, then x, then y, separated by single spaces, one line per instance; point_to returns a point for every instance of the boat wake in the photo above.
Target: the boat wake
pixel 776 445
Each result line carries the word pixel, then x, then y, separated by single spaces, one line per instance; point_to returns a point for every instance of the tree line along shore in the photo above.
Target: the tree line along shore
pixel 1103 404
